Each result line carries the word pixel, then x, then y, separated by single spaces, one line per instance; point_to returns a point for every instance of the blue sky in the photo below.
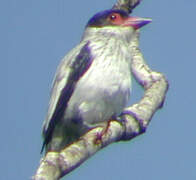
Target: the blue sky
pixel 35 35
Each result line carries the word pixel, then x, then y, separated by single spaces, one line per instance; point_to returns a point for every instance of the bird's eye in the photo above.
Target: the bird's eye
pixel 114 17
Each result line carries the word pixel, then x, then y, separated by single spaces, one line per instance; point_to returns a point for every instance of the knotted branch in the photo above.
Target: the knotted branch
pixel 134 119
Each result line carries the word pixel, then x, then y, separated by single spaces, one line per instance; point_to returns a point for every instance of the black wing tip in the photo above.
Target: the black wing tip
pixel 43 147
pixel 47 139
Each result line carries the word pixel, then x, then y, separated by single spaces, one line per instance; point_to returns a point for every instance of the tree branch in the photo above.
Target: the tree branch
pixel 134 119
pixel 126 5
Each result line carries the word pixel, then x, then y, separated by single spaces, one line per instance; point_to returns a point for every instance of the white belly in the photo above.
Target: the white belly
pixel 102 92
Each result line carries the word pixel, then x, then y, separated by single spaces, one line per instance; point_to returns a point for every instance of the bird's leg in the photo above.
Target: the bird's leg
pixel 105 125
pixel 99 135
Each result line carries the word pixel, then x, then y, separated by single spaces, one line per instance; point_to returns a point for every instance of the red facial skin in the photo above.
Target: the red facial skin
pixel 116 19
pixel 135 22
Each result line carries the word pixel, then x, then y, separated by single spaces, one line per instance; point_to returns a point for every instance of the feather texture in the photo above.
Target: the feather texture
pixel 91 86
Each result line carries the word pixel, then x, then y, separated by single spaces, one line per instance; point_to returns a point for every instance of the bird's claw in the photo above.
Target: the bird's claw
pixel 100 135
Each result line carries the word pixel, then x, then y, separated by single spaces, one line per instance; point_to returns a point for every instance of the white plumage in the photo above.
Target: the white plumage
pixel 93 81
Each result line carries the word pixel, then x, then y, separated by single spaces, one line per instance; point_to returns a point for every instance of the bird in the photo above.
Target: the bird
pixel 92 84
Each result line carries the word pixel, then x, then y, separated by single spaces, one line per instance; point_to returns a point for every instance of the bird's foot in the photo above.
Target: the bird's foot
pixel 99 135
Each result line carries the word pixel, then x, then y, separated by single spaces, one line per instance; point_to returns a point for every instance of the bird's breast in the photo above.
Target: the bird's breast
pixel 103 91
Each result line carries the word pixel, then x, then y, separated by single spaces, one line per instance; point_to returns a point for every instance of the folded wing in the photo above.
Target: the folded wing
pixel 73 66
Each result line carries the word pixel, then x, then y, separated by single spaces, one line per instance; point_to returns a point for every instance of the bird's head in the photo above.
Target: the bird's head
pixel 114 22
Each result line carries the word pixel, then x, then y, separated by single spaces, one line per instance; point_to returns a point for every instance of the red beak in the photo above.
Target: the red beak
pixel 136 22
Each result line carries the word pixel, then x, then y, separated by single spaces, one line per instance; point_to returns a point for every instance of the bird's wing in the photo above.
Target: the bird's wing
pixel 73 66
